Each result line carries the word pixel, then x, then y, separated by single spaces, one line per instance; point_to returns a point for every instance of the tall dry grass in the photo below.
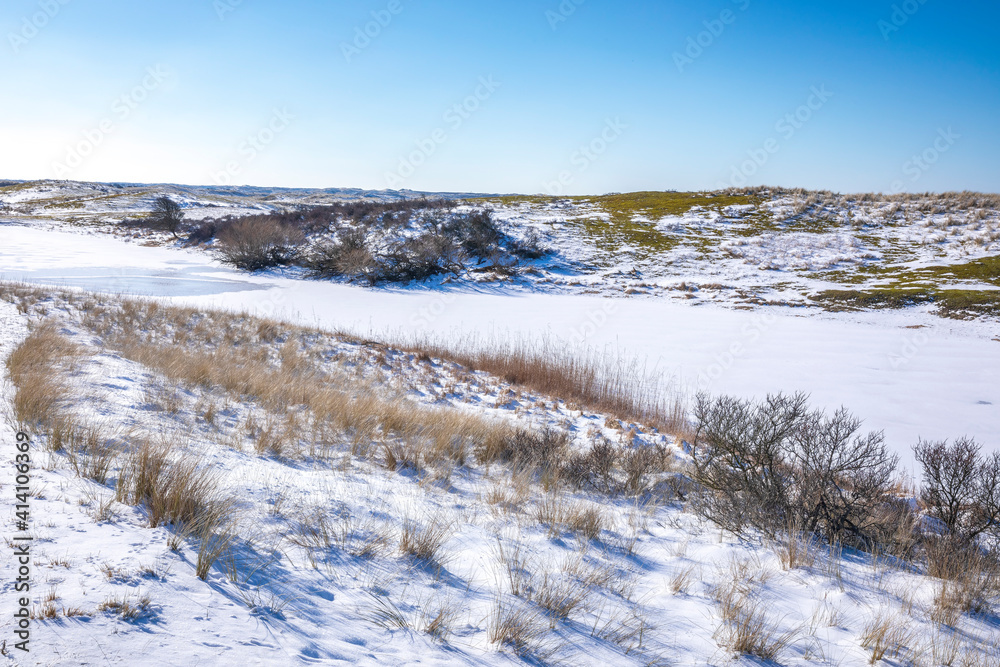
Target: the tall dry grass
pixel 37 367
pixel 591 380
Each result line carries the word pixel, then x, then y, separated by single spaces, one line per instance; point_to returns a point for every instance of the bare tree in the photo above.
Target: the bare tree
pixel 961 488
pixel 167 214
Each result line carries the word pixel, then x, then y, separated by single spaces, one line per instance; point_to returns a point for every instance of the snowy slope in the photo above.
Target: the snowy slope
pixel 662 572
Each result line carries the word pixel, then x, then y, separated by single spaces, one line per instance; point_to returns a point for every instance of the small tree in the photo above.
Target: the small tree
pixel 167 214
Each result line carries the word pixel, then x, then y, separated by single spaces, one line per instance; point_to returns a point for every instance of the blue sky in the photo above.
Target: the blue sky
pixel 514 96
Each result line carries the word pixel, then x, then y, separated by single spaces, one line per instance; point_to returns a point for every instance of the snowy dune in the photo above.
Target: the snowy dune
pixel 287 598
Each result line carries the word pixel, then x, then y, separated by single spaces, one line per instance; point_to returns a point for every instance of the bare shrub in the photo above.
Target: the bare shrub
pixel 613 469
pixel 167 215
pixel 347 255
pixel 375 251
pixel 843 476
pixel 544 450
pixel 740 456
pixel 259 243
pixel 961 488
pixel 774 464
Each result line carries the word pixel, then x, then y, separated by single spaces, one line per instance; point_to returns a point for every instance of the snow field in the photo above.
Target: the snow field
pixel 334 557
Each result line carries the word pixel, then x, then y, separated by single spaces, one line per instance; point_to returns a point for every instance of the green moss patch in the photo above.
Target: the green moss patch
pixel 955 303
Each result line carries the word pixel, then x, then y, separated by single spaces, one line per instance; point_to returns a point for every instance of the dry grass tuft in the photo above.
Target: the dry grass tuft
pixel 748 631
pixel 886 635
pixel 969 579
pixel 682 579
pixel 559 514
pixel 518 627
pixel 130 607
pixel 424 542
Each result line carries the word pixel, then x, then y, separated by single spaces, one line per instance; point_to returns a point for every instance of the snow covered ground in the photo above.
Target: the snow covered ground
pixel 661 570
pixel 317 572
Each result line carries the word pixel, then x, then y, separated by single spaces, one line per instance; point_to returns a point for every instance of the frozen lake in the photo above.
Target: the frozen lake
pixel 909 373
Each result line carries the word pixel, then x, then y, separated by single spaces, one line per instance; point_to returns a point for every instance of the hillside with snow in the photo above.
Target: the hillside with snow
pixel 502 460
pixel 739 248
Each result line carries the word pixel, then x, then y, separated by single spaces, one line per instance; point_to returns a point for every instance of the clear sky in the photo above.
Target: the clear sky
pixel 582 96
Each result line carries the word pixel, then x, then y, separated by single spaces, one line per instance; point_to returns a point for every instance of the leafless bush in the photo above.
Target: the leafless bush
pixel 347 255
pixel 259 243
pixel 544 450
pixel 611 468
pixel 961 488
pixel 773 464
pixel 740 456
pixel 843 477
pixel 375 251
